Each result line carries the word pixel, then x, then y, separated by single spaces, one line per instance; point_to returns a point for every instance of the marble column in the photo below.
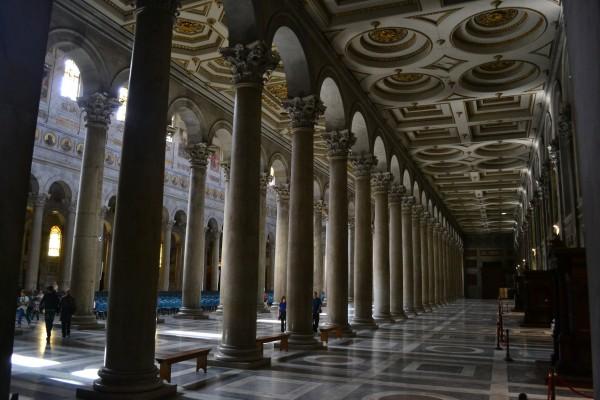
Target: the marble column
pixel 407 255
pixel 417 267
pixel 65 282
pixel 351 259
pixel 129 369
pixel 195 237
pixel 227 174
pixel 98 262
pixel 166 257
pixel 35 242
pixel 281 242
pixel 98 108
pixel 431 259
pixel 214 262
pixel 239 277
pixel 437 237
pixel 24 29
pixel 363 242
pixel 304 112
pixel 425 262
pixel 396 272
pixel 339 144
pixel 261 307
pixel 380 183
pixel 319 267
pixel 444 265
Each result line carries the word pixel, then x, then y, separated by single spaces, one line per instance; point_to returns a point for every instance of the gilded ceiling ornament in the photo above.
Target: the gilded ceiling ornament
pixel 495 18
pixel 363 164
pixel 405 77
pixel 98 108
pixel 499 65
pixel 304 111
pixel 279 90
pixel 188 27
pixel 388 35
pixel 250 62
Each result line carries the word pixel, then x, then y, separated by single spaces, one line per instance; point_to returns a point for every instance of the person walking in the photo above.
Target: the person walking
pixel 49 304
pixel 316 311
pixel 282 313
pixel 36 299
pixel 22 305
pixel 67 309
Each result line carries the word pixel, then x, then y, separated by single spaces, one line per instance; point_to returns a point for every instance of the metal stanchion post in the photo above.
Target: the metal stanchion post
pixel 507 357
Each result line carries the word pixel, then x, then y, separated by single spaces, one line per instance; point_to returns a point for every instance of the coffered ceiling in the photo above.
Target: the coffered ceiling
pixel 459 82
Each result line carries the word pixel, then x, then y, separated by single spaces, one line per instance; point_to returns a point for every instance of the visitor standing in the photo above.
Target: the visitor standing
pixel 282 313
pixel 22 305
pixel 67 309
pixel 49 304
pixel 316 311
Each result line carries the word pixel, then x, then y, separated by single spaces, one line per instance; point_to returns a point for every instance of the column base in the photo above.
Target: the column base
pixel 419 309
pixel 275 307
pixel 410 312
pixel 301 341
pixel 399 316
pixel 190 313
pixel 86 322
pixel 363 323
pixel 219 310
pixel 262 309
pixel 239 357
pixel 126 385
pixel 383 318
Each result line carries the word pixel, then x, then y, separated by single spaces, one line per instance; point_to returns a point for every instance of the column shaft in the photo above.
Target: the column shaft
pixel 417 267
pixel 68 248
pixel 396 272
pixel 262 244
pixel 35 243
pixel 363 243
pixel 431 263
pixel 318 281
pixel 351 259
pixel 281 242
pixel 129 369
pixel 381 252
pixel 424 261
pixel 166 257
pixel 214 262
pixel 407 255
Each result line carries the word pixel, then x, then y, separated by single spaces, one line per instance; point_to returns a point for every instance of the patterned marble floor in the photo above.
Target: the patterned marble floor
pixel 448 354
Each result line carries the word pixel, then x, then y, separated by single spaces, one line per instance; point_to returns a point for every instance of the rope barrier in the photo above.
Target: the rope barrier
pixel 564 383
pixel 553 378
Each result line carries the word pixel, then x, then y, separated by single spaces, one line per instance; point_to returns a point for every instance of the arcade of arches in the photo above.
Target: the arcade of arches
pixel 186 164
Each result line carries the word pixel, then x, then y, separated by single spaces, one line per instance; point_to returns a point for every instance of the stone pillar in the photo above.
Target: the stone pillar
pixel 407 255
pixel 437 232
pixel 396 273
pixel 166 257
pixel 262 244
pixel 129 370
pixel 319 272
pixel 304 112
pixel 35 242
pixel 363 242
pixel 281 242
pixel 21 73
pixel 215 261
pixel 380 183
pixel 339 144
pixel 68 248
pixel 416 247
pixel 239 278
pixel 99 266
pixel 226 173
pixel 98 108
pixel 195 237
pixel 431 259
pixel 443 265
pixel 425 262
pixel 351 259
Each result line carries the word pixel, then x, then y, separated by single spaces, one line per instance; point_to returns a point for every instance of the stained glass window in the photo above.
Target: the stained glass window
pixel 54 241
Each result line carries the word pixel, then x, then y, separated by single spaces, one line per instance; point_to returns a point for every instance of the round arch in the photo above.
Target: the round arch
pixel 380 152
pixel 293 56
pixel 358 126
pixel 278 166
pixel 192 117
pixel 335 115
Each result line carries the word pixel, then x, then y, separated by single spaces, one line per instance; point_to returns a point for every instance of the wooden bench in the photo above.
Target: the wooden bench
pixel 280 337
pixel 166 361
pixel 326 330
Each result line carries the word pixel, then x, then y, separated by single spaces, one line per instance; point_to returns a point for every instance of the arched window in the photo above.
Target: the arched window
pixel 272 174
pixel 71 80
pixel 54 242
pixel 123 92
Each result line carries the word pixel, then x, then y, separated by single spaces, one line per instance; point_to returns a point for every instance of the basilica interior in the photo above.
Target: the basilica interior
pixel 346 199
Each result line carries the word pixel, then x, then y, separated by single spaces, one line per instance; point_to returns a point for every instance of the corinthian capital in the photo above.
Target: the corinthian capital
pixel 198 154
pixel 407 203
pixel 319 207
pixel 417 210
pixel 250 62
pixel 283 191
pixel 363 164
pixel 265 179
pixel 98 107
pixel 397 191
pixel 339 143
pixel 304 111
pixel 380 182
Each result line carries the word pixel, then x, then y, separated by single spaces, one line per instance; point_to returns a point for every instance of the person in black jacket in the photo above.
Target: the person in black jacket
pixel 67 309
pixel 316 311
pixel 49 304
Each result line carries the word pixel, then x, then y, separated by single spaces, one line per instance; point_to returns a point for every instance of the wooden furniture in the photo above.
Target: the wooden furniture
pixel 326 330
pixel 538 299
pixel 280 337
pixel 572 340
pixel 166 361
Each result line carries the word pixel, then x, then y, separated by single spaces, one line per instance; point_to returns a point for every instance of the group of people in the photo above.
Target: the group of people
pixel 50 303
pixel 317 303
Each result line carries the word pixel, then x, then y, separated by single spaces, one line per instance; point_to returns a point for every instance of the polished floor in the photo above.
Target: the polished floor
pixel 447 354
